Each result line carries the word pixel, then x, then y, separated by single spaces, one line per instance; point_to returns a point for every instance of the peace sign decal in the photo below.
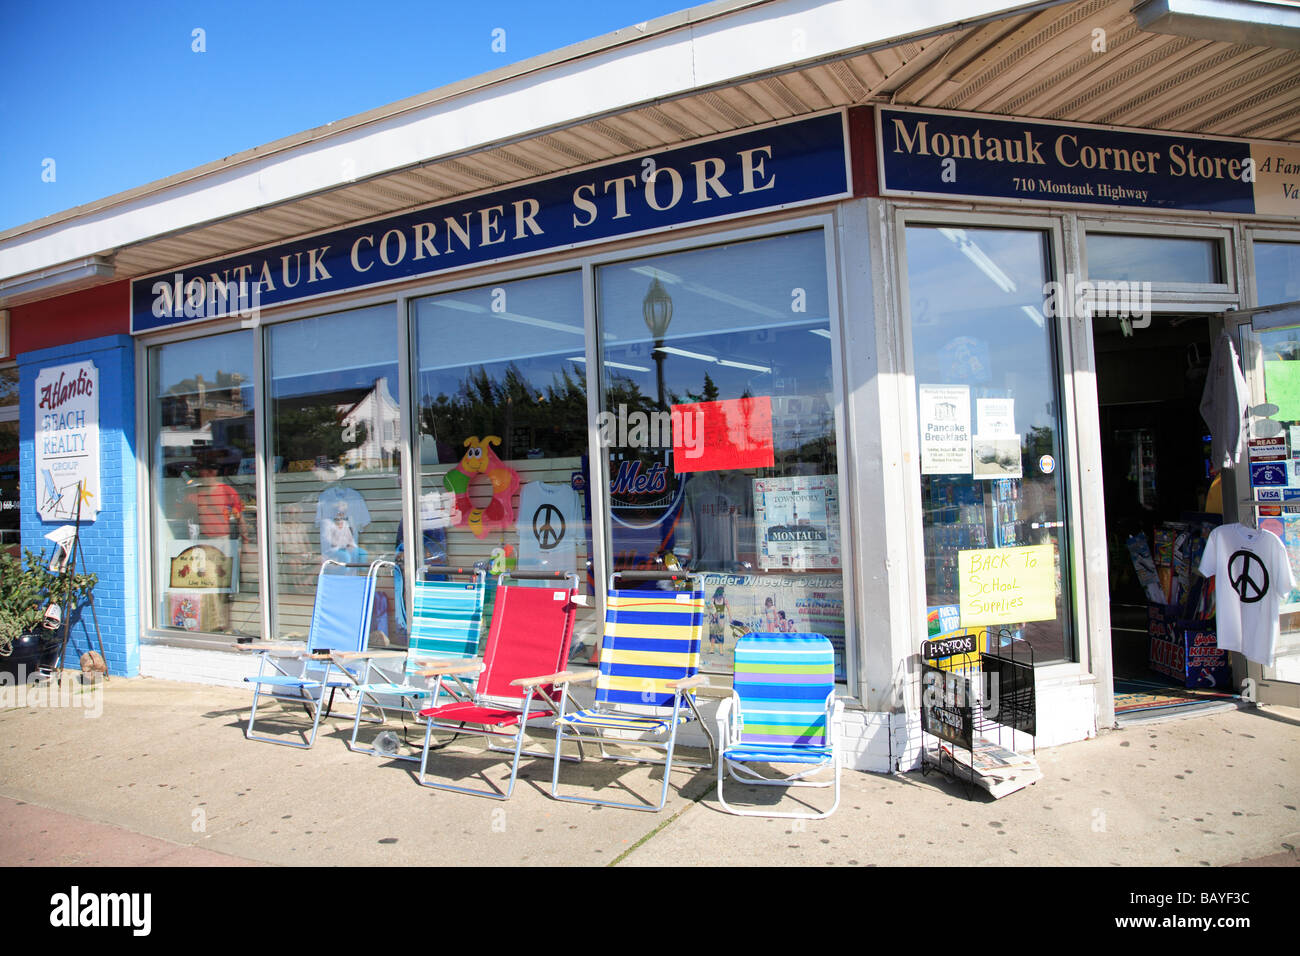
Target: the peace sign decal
pixel 1248 576
pixel 548 537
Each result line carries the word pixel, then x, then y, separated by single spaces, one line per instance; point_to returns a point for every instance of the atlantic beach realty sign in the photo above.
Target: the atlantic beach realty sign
pixel 67 441
pixel 790 164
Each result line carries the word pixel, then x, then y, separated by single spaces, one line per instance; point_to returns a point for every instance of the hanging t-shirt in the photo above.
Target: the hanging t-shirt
pixel 341 515
pixel 1252 578
pixel 550 521
pixel 718 520
pixel 1224 402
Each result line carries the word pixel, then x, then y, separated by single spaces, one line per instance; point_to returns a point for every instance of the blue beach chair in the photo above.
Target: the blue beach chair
pixel 782 711
pixel 299 674
pixel 445 628
pixel 649 667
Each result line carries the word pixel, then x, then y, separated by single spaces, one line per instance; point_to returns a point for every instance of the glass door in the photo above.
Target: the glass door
pixel 991 437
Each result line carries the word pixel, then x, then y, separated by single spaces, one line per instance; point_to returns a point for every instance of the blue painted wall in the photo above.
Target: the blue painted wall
pixel 109 546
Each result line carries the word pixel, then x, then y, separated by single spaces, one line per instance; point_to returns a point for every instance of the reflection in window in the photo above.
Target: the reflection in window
pixel 1158 259
pixel 718 430
pixel 1277 272
pixel 988 417
pixel 204 497
pixel 502 405
pixel 334 457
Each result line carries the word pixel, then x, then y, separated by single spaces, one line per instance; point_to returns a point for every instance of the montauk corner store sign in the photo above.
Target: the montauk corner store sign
pixel 963 155
pixel 776 167
pixel 67 442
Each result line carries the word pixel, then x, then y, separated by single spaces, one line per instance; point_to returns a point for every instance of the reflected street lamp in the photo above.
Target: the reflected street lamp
pixel 657 310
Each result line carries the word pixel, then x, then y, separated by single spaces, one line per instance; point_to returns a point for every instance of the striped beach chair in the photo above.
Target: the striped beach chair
pixel 445 627
pixel 782 711
pixel 649 667
pixel 295 673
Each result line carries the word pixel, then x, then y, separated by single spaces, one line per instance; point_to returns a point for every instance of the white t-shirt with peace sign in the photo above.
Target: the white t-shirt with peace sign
pixel 1252 577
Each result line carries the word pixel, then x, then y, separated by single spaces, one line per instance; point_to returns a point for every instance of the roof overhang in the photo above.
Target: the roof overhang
pixel 707 71
pixel 1256 22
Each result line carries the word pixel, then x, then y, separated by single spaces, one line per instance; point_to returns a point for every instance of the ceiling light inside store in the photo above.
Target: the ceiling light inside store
pixel 1034 314
pixel 977 255
pixel 713 359
pixel 630 368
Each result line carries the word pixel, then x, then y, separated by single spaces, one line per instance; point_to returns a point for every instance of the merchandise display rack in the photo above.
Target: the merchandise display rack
pixel 973 703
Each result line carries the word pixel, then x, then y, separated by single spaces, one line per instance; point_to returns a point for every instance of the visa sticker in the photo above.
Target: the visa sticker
pixel 557 595
pixel 683 598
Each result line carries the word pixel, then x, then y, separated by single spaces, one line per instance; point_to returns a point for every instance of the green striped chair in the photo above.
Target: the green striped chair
pixel 782 711
pixel 446 624
pixel 649 665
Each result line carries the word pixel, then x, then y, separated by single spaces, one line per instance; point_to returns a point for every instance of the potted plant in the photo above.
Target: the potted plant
pixel 25 594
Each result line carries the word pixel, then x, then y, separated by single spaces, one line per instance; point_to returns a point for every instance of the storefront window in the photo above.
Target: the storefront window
pixel 501 390
pixel 1157 259
pixel 1277 272
pixel 204 496
pixel 718 432
pixel 9 483
pixel 335 441
pixel 992 485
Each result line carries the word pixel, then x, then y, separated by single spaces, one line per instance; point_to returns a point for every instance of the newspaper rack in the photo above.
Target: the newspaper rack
pixel 973 704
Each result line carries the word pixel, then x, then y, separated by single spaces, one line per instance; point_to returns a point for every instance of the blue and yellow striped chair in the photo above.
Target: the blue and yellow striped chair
pixel 782 711
pixel 446 625
pixel 649 665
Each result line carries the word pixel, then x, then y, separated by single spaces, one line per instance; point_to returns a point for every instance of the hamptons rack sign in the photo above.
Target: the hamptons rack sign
pixel 955 155
pixel 794 163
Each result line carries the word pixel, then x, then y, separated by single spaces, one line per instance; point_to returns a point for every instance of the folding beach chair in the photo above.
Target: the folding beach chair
pixel 445 628
pixel 649 666
pixel 301 674
pixel 782 711
pixel 528 643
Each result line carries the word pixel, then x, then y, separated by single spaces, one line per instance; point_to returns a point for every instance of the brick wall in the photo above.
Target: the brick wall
pixel 109 545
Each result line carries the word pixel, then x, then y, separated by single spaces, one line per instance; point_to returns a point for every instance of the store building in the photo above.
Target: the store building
pixel 822 301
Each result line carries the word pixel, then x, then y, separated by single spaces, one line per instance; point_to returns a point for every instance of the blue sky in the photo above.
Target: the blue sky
pixel 115 95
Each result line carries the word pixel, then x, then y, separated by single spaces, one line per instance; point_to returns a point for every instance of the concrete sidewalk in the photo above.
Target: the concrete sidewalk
pixel 163 776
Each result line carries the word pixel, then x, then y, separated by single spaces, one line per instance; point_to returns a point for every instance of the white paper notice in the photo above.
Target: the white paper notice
pixel 945 429
pixel 995 417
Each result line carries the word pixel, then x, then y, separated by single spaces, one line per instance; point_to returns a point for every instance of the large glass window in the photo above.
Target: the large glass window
pixel 1162 260
pixel 335 441
pixel 990 436
pixel 1277 272
pixel 501 396
pixel 205 557
pixel 718 432
pixel 9 483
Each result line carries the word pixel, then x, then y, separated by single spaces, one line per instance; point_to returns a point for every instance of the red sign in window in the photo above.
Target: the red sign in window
pixel 719 436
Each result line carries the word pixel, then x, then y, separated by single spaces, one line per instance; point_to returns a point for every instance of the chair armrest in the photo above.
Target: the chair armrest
pixel 366 655
pixel 286 648
pixel 443 661
pixel 563 677
pixel 723 719
pixel 686 683
pixel 471 668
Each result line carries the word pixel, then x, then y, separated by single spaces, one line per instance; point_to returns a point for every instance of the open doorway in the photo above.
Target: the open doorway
pixel 1156 469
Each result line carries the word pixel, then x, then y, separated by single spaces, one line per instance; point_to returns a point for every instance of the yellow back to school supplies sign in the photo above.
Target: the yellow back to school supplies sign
pixel 1006 585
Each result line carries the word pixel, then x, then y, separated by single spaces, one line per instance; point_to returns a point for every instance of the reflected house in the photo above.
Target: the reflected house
pixel 374 423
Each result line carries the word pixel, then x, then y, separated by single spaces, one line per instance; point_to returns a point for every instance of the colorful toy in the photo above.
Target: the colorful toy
pixel 484 487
